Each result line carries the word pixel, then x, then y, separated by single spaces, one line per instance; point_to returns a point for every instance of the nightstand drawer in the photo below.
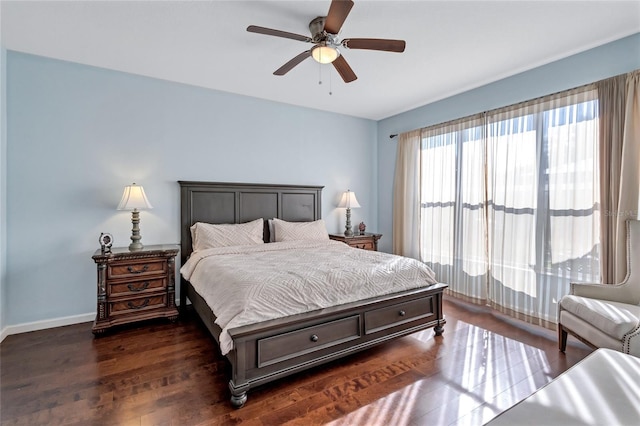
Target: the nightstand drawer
pixel 136 287
pixel 138 304
pixel 391 316
pixel 136 269
pixel 364 241
pixel 365 245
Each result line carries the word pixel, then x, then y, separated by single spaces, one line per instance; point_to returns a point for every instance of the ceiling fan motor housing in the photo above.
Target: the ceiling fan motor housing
pixel 316 27
pixel 319 35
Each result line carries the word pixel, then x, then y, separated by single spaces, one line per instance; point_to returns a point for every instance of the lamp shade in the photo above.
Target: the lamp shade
pixel 134 198
pixel 349 200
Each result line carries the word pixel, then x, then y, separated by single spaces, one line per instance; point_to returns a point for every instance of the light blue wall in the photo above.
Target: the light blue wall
pixel 3 190
pixel 602 62
pixel 77 135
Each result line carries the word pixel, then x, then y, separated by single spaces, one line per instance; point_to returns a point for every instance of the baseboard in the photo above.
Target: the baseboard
pixel 44 324
pixel 52 323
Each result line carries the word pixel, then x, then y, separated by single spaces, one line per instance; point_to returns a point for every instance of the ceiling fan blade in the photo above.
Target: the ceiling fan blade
pixel 338 12
pixel 344 69
pixel 277 33
pixel 375 44
pixel 292 63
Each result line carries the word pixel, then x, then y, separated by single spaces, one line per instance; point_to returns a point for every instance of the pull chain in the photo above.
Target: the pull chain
pixel 320 79
pixel 330 85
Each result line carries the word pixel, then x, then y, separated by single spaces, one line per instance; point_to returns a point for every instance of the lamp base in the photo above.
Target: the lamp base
pixel 135 246
pixel 135 232
pixel 347 229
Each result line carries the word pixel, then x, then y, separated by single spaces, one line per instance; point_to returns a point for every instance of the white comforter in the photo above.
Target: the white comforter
pixel 248 284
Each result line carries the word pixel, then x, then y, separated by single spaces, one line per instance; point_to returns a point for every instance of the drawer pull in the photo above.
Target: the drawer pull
pixel 131 305
pixel 131 270
pixel 314 338
pixel 402 313
pixel 132 287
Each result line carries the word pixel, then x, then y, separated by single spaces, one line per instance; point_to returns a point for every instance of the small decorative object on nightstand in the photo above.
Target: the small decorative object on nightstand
pixel 366 241
pixel 106 241
pixel 135 285
pixel 362 227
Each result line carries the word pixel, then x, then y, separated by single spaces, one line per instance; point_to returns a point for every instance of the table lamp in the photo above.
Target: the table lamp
pixel 134 199
pixel 348 201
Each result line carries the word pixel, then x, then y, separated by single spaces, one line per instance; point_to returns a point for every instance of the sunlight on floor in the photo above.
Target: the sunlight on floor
pixel 498 372
pixel 394 409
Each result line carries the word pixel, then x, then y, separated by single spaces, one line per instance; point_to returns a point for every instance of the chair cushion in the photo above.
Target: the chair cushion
pixel 613 318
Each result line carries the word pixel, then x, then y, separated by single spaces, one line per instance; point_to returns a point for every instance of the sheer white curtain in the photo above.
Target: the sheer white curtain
pixel 543 195
pixel 453 231
pixel 509 203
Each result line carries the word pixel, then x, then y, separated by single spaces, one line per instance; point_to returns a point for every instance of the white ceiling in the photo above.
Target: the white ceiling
pixel 452 46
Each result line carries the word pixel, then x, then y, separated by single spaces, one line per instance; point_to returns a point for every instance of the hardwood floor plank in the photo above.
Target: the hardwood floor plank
pixel 161 373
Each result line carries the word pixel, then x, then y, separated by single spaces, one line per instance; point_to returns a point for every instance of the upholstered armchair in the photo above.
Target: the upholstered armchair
pixel 605 315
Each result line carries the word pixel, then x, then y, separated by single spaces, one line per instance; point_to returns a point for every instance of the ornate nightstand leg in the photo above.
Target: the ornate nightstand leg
pixel 171 285
pixel 102 299
pixel 98 332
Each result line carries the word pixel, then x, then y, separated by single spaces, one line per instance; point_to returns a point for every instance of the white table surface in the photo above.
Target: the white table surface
pixel 602 389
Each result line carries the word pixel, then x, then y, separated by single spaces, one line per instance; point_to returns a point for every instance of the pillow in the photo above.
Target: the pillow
pixel 292 231
pixel 208 235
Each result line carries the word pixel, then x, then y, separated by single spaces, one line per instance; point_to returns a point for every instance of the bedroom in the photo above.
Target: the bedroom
pixel 74 135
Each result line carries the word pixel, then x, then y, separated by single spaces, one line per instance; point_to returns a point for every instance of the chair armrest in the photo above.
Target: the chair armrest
pixel 623 293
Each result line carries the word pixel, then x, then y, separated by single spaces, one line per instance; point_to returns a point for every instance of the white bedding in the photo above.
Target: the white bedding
pixel 249 284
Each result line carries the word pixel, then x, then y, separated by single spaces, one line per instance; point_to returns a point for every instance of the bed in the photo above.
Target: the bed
pixel 268 350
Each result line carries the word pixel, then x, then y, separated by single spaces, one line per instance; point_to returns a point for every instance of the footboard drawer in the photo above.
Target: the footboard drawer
pixel 289 345
pixel 394 315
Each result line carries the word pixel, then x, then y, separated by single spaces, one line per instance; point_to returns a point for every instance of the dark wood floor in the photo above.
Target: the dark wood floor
pixel 172 374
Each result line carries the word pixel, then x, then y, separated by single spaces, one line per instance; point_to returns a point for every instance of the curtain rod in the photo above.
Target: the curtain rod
pixel 577 88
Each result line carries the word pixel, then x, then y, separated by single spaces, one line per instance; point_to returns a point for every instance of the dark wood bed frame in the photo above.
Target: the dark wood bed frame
pixel 274 349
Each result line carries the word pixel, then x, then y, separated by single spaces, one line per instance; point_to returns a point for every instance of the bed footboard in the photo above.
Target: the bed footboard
pixel 274 349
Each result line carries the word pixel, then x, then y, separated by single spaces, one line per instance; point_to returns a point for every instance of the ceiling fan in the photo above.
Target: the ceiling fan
pixel 324 34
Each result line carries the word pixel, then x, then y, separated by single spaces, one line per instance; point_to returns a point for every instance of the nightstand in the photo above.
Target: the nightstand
pixel 366 242
pixel 135 285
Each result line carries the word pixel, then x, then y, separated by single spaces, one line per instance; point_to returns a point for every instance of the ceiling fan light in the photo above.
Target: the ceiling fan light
pixel 325 54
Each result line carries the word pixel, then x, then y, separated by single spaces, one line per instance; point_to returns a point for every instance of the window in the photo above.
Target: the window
pixel 510 203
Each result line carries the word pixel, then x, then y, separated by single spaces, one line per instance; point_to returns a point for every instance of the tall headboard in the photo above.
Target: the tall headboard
pixel 219 202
